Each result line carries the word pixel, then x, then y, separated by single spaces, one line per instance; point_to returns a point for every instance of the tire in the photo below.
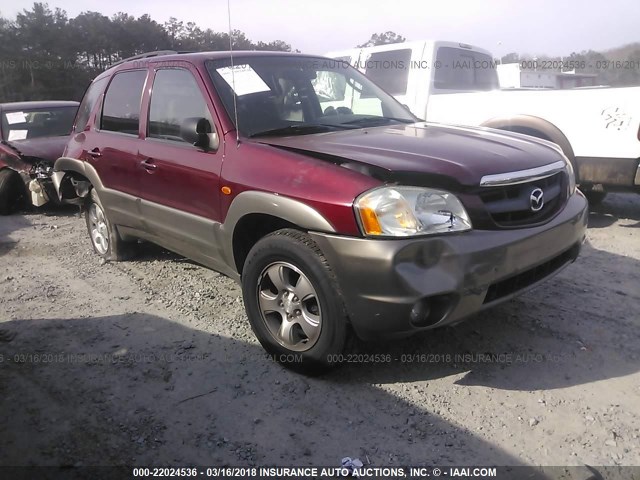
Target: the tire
pixel 300 317
pixel 105 240
pixel 594 198
pixel 13 194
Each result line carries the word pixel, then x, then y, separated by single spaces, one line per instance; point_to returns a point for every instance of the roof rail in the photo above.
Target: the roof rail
pixel 157 53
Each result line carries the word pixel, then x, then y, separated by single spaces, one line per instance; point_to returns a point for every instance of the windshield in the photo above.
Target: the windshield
pixel 292 95
pixel 37 122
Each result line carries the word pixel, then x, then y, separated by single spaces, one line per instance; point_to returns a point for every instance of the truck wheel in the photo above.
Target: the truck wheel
pixel 594 198
pixel 105 239
pixel 13 196
pixel 293 302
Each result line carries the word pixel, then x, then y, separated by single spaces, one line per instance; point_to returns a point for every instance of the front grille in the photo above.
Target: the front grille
pixel 510 205
pixel 529 277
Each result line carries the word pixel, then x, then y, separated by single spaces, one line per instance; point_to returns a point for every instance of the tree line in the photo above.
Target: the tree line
pixel 44 54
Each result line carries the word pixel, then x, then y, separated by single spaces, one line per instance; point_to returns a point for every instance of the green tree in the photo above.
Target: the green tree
pixel 383 39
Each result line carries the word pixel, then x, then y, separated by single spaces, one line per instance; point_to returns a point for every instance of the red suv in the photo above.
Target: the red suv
pixel 335 207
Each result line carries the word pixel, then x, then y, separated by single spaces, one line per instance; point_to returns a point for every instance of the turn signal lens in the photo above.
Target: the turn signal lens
pixel 370 221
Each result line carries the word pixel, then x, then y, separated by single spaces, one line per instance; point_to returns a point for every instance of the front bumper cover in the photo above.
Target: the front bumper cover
pixel 388 285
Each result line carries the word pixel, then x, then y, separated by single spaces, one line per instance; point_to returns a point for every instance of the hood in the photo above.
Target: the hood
pixel 461 154
pixel 45 148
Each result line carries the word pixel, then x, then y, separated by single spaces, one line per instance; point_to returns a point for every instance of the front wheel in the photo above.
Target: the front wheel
pixel 293 302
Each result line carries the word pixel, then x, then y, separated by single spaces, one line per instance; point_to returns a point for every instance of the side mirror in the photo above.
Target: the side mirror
pixel 199 133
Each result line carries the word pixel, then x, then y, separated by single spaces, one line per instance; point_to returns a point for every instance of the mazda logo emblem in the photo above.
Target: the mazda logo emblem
pixel 536 199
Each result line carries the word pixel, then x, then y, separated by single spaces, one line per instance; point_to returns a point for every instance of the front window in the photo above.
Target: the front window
pixel 176 97
pixel 301 95
pixel 30 123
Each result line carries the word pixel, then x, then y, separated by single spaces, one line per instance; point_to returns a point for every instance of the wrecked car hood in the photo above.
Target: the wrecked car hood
pixel 45 148
pixel 460 153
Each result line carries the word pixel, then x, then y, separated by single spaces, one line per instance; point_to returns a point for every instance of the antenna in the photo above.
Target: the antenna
pixel 233 76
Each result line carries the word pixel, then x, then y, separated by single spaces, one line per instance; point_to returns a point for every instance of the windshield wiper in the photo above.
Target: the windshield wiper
pixel 299 130
pixel 374 120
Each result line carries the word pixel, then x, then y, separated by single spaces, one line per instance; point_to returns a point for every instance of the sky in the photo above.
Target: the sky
pixel 552 27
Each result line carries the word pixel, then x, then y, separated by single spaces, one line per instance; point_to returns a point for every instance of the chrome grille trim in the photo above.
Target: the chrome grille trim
pixel 522 176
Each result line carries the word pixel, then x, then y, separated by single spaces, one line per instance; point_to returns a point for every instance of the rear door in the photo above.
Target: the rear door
pixel 112 148
pixel 179 183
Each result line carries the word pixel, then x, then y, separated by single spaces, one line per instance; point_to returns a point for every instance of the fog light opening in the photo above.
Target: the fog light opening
pixel 420 313
pixel 431 310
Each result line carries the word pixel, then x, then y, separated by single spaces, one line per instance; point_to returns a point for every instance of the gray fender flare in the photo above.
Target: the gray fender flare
pixel 65 165
pixel 285 208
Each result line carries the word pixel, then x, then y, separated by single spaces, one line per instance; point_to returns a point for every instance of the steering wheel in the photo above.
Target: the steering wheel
pixel 338 111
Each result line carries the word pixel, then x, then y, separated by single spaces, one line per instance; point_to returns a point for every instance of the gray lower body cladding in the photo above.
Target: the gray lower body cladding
pixel 398 287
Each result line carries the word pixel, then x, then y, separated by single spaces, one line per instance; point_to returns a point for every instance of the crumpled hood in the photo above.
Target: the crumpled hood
pixel 45 148
pixel 465 154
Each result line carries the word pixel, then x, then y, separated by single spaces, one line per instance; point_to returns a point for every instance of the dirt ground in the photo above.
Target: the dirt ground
pixel 153 362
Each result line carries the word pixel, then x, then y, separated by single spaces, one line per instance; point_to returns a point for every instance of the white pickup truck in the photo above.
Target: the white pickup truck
pixel 445 82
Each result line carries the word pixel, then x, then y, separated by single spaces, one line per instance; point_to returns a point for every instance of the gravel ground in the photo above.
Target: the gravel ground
pixel 153 361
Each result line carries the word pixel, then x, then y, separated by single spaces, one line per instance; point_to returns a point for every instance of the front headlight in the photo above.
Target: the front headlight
pixel 406 211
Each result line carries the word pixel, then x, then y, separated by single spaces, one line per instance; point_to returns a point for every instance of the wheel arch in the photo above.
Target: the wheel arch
pixel 539 128
pixel 533 126
pixel 252 215
pixel 73 179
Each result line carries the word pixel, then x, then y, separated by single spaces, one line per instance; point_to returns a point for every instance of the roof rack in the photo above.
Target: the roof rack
pixel 157 53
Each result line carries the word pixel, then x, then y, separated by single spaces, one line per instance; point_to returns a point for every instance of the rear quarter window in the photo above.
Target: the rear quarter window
pixel 390 70
pixel 460 69
pixel 88 103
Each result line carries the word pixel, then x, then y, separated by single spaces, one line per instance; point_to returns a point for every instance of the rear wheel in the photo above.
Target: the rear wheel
pixel 105 239
pixel 293 302
pixel 13 195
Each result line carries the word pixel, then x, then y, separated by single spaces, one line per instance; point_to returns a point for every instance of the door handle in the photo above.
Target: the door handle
pixel 95 153
pixel 148 165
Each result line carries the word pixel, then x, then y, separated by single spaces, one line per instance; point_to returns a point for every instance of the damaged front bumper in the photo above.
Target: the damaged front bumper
pixel 400 286
pixel 36 175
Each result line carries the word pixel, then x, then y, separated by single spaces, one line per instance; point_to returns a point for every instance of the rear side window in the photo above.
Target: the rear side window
pixel 88 102
pixel 175 98
pixel 390 70
pixel 121 109
pixel 460 69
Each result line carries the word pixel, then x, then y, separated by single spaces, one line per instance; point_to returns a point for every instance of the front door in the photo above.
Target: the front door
pixel 179 182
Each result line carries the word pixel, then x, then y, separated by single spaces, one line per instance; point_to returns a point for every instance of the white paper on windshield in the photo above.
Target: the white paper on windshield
pixel 17 135
pixel 15 117
pixel 243 79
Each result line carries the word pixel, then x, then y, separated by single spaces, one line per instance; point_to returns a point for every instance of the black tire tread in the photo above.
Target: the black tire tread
pixel 10 185
pixel 311 367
